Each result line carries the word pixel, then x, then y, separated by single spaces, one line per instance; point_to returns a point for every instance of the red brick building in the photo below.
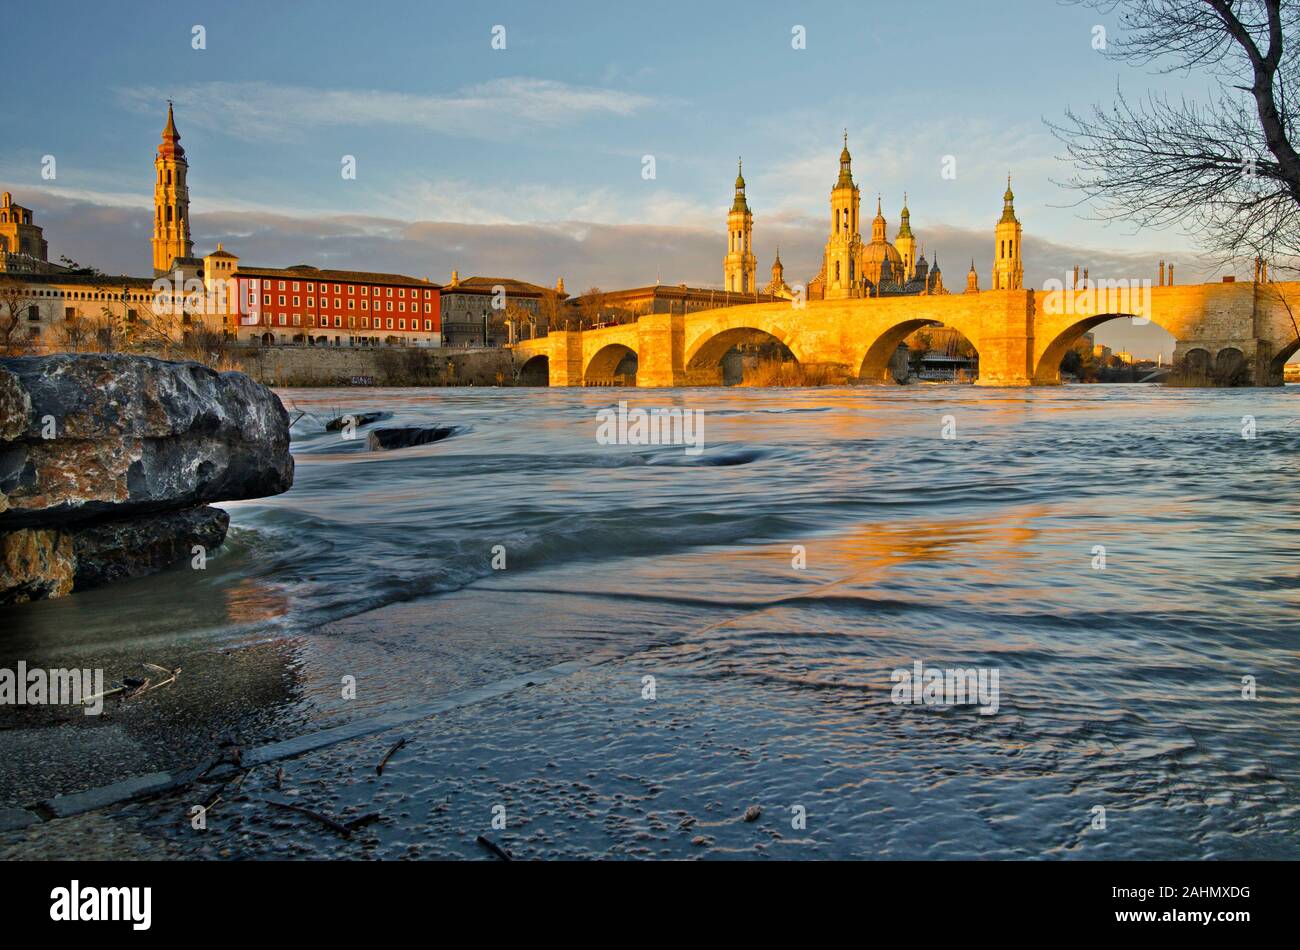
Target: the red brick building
pixel 310 307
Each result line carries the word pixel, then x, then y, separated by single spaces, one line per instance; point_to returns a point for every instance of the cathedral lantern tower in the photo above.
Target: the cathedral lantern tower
pixel 171 201
pixel 906 243
pixel 844 248
pixel 1008 269
pixel 740 265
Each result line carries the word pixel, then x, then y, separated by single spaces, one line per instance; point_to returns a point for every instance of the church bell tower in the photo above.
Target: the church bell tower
pixel 1008 268
pixel 740 265
pixel 171 201
pixel 844 247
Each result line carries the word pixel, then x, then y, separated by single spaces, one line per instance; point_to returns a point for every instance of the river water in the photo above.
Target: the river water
pixel 1121 556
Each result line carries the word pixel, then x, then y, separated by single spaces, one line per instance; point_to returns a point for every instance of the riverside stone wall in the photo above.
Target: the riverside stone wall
pixel 344 366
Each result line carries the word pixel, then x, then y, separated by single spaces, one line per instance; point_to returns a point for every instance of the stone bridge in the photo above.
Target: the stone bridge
pixel 1244 331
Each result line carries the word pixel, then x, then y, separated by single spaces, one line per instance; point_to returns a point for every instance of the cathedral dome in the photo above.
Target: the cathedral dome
pixel 878 251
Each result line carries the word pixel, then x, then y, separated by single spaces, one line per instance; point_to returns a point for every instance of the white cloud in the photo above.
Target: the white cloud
pixel 490 110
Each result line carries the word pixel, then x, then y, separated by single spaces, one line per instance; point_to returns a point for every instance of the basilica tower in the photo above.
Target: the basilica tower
pixel 740 265
pixel 171 201
pixel 906 243
pixel 1008 269
pixel 844 248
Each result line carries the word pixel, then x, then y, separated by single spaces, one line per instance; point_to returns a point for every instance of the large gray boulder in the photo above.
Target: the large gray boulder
pixel 107 463
pixel 40 563
pixel 131 435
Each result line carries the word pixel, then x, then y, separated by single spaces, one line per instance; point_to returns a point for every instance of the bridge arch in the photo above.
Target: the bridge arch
pixel 536 371
pixel 1230 367
pixel 704 361
pixel 1047 367
pixel 614 364
pixel 1277 366
pixel 875 365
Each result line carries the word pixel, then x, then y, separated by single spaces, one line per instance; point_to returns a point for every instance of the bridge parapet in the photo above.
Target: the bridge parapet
pixel 1020 335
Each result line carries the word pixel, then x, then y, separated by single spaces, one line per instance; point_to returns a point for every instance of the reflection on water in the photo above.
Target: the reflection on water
pixel 974 551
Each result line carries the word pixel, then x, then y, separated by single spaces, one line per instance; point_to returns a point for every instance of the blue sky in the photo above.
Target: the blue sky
pixel 527 161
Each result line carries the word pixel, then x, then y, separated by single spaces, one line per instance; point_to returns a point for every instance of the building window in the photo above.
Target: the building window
pixel 311 302
pixel 390 323
pixel 365 305
pixel 390 310
pixel 281 287
pixel 297 319
pixel 338 302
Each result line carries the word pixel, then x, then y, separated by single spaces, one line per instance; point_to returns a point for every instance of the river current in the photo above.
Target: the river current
pixel 1123 556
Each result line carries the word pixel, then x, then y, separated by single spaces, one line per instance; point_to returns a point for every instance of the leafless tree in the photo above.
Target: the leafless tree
pixel 1226 169
pixel 74 334
pixel 15 298
pixel 590 306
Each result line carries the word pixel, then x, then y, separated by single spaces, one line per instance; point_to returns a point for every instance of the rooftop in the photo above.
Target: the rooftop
pixel 306 272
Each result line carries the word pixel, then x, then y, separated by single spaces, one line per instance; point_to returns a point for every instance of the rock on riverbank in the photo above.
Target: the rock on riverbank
pixel 108 462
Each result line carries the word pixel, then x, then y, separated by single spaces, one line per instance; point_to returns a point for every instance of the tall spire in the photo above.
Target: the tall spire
pixel 846 164
pixel 171 139
pixel 1008 204
pixel 878 224
pixel 740 204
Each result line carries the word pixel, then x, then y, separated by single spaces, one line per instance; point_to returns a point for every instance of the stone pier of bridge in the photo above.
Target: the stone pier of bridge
pixel 1239 333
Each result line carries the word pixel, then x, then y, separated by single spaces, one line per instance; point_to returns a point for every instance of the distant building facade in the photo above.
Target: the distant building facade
pixel 23 249
pixel 495 311
pixel 308 306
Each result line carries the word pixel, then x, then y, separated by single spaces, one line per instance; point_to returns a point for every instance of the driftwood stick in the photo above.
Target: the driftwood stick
pixel 107 692
pixel 379 769
pixel 494 848
pixel 325 820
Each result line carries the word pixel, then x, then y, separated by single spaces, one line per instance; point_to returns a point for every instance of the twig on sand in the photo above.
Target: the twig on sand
pixel 379 769
pixel 325 820
pixel 243 775
pixel 107 692
pixel 171 678
pixel 494 848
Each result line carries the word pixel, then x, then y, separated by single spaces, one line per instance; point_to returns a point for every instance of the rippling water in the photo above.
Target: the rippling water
pixel 1120 686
